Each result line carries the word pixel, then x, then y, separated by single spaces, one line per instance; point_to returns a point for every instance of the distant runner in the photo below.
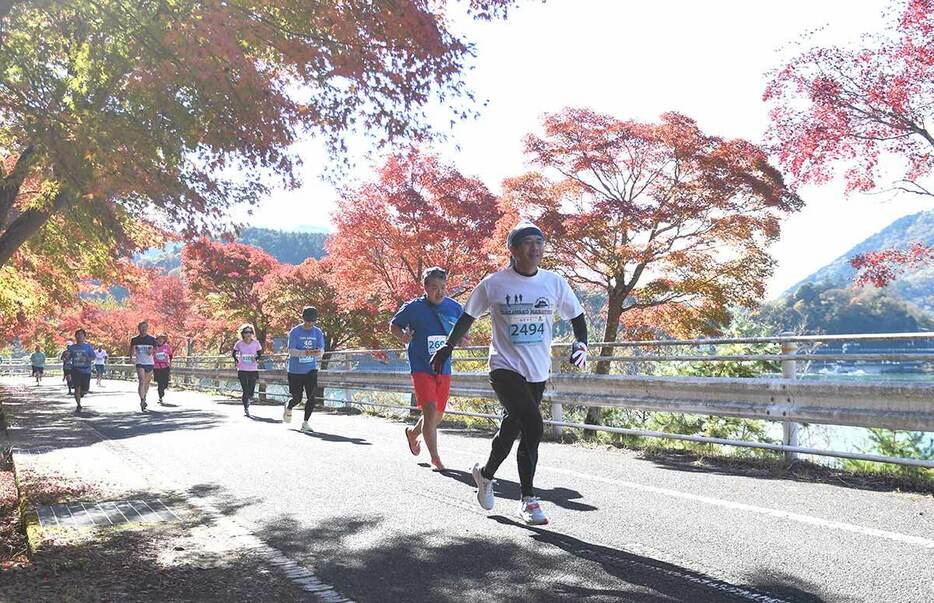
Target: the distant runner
pixel 306 346
pixel 66 365
pixel 141 354
pixel 82 356
pixel 100 360
pixel 37 360
pixel 162 355
pixel 522 300
pixel 422 325
pixel 246 354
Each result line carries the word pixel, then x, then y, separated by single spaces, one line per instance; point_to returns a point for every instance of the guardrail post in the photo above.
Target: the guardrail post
pixel 789 371
pixel 557 409
pixel 348 393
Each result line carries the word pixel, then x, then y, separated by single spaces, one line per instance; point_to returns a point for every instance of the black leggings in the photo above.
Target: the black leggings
pixel 522 416
pixel 306 383
pixel 161 375
pixel 248 385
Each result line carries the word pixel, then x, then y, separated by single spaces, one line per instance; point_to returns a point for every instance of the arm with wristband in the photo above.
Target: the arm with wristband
pixel 579 347
pixel 441 356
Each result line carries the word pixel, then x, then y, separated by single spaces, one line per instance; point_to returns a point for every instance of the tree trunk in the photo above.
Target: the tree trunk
pixel 28 224
pixel 614 312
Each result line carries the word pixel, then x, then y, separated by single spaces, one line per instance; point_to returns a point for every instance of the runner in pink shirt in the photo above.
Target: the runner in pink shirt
pixel 246 354
pixel 162 361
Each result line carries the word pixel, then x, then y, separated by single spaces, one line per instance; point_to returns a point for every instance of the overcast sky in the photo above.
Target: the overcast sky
pixel 636 59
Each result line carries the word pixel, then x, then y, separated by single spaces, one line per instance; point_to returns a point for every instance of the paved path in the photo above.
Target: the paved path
pixel 350 504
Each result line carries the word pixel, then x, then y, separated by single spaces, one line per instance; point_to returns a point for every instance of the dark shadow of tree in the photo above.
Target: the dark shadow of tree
pixel 50 422
pixel 367 563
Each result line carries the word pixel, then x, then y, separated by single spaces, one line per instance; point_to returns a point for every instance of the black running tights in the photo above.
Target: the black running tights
pixel 522 418
pixel 247 386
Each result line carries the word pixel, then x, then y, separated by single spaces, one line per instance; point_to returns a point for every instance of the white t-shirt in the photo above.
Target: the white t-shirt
pixel 100 357
pixel 522 309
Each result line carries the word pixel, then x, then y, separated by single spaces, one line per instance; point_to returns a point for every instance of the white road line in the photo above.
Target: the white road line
pixel 104 513
pixel 135 510
pixel 737 506
pixel 156 513
pixel 164 506
pixel 120 511
pixel 777 513
pixel 88 513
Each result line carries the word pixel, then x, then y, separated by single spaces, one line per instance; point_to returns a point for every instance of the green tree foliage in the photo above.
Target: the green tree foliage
pixel 826 309
pixel 287 247
pixel 905 444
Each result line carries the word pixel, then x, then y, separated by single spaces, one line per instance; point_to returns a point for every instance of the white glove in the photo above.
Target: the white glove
pixel 579 354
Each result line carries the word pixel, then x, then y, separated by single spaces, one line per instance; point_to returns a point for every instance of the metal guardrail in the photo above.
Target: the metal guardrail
pixel 892 405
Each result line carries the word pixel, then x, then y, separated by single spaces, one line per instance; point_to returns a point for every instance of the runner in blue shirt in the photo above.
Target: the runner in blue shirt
pixel 306 346
pixel 423 325
pixel 82 358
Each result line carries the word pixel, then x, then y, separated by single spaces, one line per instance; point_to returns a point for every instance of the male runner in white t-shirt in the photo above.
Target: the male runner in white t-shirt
pixel 522 300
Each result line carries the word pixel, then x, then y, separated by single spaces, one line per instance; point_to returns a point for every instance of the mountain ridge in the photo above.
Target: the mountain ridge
pixel 915 286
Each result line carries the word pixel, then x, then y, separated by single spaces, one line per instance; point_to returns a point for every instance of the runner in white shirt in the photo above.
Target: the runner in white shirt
pixel 100 359
pixel 141 354
pixel 522 301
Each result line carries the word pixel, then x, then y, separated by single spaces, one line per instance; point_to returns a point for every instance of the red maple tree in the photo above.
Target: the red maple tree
pixel 224 279
pixel 837 108
pixel 418 213
pixel 345 321
pixel 653 215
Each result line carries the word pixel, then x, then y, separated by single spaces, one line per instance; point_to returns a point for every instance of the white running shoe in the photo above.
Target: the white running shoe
pixel 286 414
pixel 306 427
pixel 484 488
pixel 530 510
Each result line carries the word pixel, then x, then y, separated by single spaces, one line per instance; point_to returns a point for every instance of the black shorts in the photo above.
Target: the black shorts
pixel 99 370
pixel 146 367
pixel 300 383
pixel 38 370
pixel 81 379
pixel 66 372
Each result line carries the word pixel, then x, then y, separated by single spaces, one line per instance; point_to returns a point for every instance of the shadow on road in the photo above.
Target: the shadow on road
pixel 637 569
pixel 221 498
pixel 330 437
pixel 369 563
pixel 49 415
pixel 562 497
pixel 134 423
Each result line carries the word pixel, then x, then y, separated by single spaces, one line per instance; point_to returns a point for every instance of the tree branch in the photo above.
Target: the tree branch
pixel 12 182
pixel 28 223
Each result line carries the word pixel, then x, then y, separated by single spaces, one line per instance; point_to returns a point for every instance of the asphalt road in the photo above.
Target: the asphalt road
pixel 350 502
